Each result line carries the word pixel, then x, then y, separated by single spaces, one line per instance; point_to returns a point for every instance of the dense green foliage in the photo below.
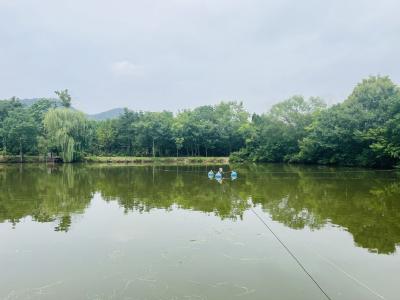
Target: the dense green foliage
pixel 363 130
pixel 359 131
pixel 66 133
pixel 19 131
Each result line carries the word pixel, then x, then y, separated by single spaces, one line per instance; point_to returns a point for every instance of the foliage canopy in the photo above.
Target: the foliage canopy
pixel 363 130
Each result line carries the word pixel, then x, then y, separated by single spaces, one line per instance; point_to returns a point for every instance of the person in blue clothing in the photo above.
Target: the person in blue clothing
pixel 220 173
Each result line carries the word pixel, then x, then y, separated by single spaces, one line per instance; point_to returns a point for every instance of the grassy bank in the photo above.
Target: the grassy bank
pixel 26 159
pixel 126 159
pixel 156 160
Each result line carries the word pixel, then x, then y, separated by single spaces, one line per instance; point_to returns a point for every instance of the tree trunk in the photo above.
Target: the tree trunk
pixel 20 150
pixel 128 147
pixel 154 154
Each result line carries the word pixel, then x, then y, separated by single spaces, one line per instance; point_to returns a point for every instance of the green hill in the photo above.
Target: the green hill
pixel 109 114
pixel 105 115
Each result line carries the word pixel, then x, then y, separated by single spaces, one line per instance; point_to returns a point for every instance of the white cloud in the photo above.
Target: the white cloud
pixel 125 68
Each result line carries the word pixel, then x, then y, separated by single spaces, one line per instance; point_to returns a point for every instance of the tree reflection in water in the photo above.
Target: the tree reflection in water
pixel 364 202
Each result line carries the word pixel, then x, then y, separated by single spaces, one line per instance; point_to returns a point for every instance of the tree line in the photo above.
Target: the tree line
pixel 50 126
pixel 363 130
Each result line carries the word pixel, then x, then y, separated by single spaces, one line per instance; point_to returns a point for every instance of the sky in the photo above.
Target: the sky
pixel 170 55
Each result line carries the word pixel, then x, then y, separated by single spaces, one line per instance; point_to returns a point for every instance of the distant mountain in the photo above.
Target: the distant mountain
pixel 105 115
pixel 109 114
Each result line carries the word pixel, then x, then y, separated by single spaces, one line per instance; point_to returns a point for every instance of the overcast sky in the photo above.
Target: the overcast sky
pixel 160 54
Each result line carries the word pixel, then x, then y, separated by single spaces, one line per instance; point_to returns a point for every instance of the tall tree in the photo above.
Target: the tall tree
pixel 64 97
pixel 154 133
pixel 6 106
pixel 39 109
pixel 19 130
pixel 105 134
pixel 275 136
pixel 231 119
pixel 125 131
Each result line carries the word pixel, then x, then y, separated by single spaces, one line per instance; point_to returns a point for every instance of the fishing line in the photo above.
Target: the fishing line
pixel 284 245
pixel 291 254
pixel 348 275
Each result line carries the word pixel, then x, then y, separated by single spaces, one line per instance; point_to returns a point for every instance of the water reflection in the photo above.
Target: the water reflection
pixel 365 203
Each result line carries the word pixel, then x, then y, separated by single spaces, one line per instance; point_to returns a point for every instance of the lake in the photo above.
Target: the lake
pixel 166 232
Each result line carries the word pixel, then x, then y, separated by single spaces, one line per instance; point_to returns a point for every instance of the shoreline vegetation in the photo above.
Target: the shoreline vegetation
pixel 361 131
pixel 122 160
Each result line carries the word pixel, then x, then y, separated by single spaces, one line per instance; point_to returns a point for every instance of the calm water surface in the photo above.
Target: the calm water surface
pixel 165 232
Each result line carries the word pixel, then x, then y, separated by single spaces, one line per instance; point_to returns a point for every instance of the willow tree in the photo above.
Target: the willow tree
pixel 66 131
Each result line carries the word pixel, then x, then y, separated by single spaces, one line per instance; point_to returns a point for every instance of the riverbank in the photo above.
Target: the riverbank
pixel 156 160
pixel 17 159
pixel 126 159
